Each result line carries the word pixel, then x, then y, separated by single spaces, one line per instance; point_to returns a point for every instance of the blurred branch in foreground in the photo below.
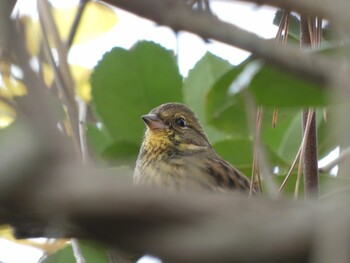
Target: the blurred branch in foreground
pixel 68 201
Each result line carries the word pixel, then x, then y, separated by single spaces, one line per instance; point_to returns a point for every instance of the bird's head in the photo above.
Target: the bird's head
pixel 174 126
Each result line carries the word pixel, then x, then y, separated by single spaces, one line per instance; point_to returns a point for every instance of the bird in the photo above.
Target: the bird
pixel 176 155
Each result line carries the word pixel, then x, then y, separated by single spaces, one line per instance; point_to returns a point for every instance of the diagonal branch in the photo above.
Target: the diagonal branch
pixel 179 16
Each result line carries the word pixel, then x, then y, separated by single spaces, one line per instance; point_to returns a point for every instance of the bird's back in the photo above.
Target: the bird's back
pixel 200 171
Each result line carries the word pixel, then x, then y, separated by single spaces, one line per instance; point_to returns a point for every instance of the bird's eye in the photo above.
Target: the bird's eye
pixel 181 122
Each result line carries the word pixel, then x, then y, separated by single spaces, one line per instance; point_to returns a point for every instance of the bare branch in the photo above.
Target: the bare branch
pixel 64 79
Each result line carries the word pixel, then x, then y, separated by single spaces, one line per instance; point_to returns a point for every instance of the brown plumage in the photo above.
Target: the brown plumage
pixel 176 154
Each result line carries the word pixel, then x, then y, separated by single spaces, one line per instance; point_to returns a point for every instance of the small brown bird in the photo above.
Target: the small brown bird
pixel 176 154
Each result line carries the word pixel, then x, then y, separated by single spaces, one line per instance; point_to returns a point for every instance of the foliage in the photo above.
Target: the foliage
pixel 124 87
pixel 92 253
pixel 127 77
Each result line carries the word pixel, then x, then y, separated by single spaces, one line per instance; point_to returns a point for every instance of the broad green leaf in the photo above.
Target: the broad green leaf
pixel 98 138
pixel 334 130
pixel 127 84
pixel 199 81
pixel 329 185
pixel 274 88
pixel 121 150
pixel 290 186
pixel 224 112
pixel 197 85
pixel 328 135
pixel 92 253
pixel 238 152
pixel 285 138
pixel 64 255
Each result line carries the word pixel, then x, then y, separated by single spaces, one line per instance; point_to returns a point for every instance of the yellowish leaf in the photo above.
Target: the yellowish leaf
pixel 48 74
pixel 48 245
pixel 33 34
pixel 81 77
pixel 96 20
pixel 7 115
pixel 12 87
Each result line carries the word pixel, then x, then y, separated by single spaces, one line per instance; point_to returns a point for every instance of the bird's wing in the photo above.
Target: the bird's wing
pixel 224 175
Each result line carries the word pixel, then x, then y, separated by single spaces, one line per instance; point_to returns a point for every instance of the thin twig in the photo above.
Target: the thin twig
pixel 286 27
pixel 59 83
pixel 82 107
pixel 64 79
pixel 301 147
pixel 283 26
pixel 50 27
pixel 286 178
pixel 300 171
pixel 255 170
pixel 258 151
pixel 77 18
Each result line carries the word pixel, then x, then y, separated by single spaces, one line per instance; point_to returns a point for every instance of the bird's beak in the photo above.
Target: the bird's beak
pixel 153 121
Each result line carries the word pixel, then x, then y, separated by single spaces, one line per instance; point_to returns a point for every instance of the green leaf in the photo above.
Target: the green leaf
pixel 225 112
pixel 328 136
pixel 98 138
pixel 332 131
pixel 91 252
pixel 127 84
pixel 121 150
pixel 274 88
pixel 285 138
pixel 289 188
pixel 237 152
pixel 329 185
pixel 199 81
